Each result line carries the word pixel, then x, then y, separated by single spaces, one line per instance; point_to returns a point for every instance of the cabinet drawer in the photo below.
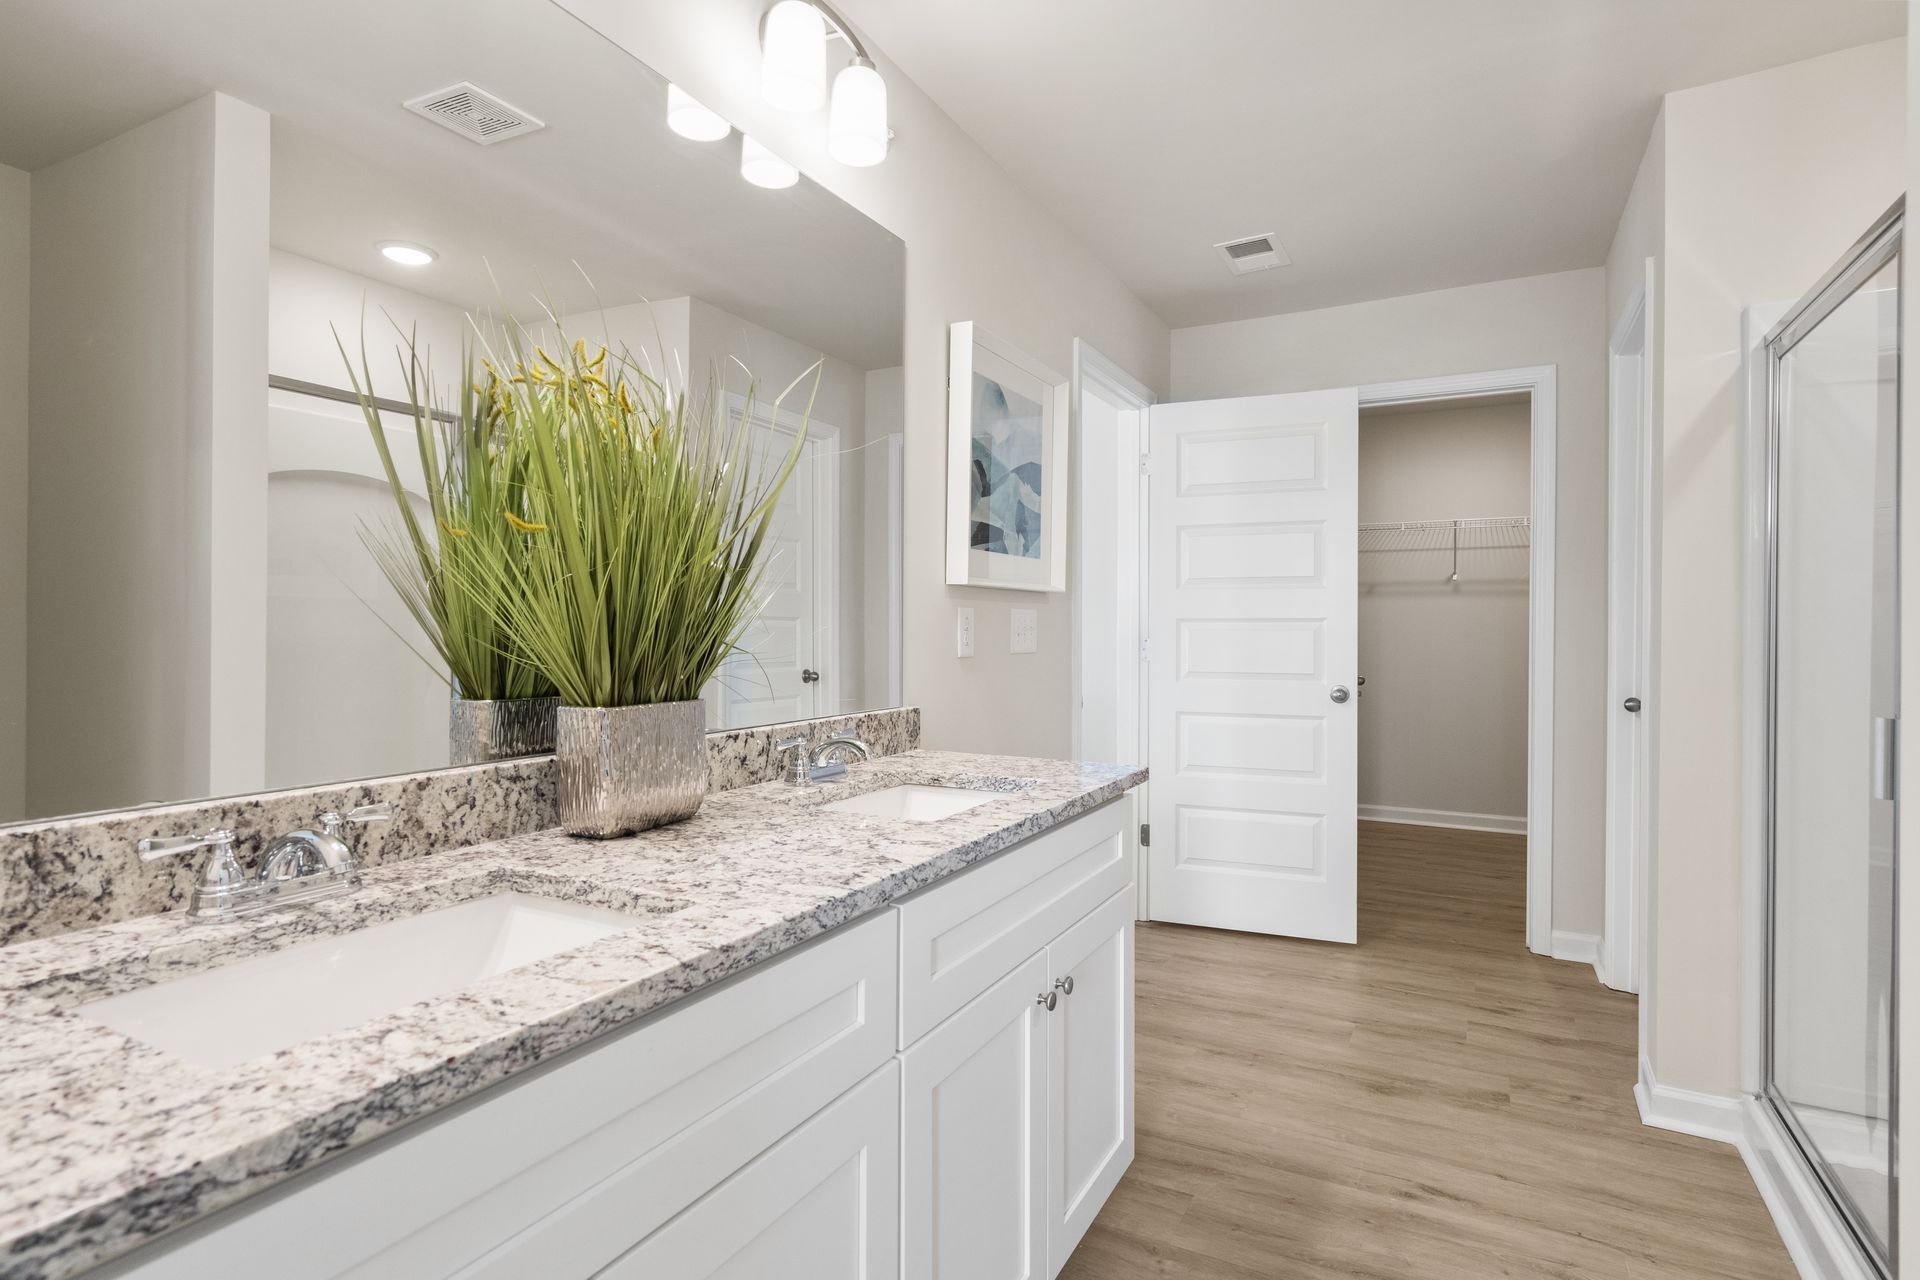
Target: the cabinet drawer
pixel 960 936
pixel 824 1203
pixel 558 1173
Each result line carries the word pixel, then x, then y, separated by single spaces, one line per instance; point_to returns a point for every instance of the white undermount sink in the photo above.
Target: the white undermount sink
pixel 258 1006
pixel 915 802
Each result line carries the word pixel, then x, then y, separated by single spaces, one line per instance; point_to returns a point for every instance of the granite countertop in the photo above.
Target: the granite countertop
pixel 106 1143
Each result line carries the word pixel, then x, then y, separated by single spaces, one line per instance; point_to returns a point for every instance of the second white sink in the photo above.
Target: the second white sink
pixel 915 802
pixel 266 1003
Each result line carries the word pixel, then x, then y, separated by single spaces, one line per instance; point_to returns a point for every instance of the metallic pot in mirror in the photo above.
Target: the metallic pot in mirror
pixel 482 730
pixel 625 769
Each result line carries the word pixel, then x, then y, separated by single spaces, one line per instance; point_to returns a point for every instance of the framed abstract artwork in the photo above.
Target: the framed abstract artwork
pixel 1006 466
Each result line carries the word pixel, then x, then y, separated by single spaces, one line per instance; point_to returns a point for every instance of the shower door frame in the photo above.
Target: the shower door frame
pixel 1882 244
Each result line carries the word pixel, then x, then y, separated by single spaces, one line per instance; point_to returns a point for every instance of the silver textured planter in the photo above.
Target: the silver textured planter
pixel 625 769
pixel 481 730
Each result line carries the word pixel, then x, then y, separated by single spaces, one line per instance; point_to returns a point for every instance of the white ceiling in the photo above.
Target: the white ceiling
pixel 644 214
pixel 1393 146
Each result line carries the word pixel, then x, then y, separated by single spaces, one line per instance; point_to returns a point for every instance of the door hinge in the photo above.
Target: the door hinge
pixel 1146 464
pixel 1886 758
pixel 1146 834
pixel 1146 650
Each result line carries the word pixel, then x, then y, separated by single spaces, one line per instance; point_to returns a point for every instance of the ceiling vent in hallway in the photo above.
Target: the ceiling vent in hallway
pixel 1254 253
pixel 473 113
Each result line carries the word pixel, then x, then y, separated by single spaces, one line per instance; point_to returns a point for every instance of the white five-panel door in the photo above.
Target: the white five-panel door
pixel 1252 626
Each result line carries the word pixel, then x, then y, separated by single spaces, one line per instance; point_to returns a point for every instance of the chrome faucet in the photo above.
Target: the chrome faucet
pixel 801 767
pixel 301 866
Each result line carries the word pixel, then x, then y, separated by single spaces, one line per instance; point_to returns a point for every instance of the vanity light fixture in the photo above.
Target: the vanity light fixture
pixel 688 118
pixel 406 253
pixel 794 39
pixel 763 168
pixel 793 56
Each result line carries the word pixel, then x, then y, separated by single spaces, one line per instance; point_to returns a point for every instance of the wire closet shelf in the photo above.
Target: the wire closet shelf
pixel 1478 533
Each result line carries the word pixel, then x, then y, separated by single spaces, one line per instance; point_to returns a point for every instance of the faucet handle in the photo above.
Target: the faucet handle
pixel 333 820
pixel 795 762
pixel 221 875
pixel 153 848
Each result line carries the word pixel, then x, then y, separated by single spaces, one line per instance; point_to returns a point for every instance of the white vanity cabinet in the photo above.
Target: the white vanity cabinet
pixel 1017 1115
pixel 894 1098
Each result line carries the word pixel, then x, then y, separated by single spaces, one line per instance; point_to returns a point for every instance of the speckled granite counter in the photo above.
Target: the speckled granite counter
pixel 106 1143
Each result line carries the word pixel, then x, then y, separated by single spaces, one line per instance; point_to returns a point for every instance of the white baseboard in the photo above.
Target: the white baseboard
pixel 1444 818
pixel 1704 1115
pixel 1581 948
pixel 1818 1241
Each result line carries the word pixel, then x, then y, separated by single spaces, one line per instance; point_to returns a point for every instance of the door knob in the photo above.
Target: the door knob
pixel 1064 985
pixel 1047 1000
pixel 1632 704
pixel 1340 693
pixel 809 676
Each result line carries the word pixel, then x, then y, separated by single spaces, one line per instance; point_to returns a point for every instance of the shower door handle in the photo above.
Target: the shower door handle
pixel 1886 756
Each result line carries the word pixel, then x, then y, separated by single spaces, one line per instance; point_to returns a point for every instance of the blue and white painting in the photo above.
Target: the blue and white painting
pixel 1008 439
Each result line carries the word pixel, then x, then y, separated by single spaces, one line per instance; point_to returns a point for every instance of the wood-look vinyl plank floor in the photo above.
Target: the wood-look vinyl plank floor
pixel 1436 1103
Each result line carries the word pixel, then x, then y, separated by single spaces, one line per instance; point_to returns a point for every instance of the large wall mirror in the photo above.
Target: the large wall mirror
pixel 194 197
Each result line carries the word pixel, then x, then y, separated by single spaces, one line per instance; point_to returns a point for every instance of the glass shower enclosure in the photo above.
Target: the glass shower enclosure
pixel 1833 421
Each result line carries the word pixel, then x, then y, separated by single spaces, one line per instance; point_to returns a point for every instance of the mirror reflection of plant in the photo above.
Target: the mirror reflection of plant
pixel 474 466
pixel 644 530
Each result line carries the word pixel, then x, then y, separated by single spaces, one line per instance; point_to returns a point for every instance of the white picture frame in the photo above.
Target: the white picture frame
pixel 1019 379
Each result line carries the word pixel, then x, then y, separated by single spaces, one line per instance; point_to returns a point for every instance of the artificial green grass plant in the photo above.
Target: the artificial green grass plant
pixel 475 468
pixel 644 532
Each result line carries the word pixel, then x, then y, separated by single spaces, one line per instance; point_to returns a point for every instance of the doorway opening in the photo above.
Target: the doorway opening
pixel 1445 521
pixel 1249 538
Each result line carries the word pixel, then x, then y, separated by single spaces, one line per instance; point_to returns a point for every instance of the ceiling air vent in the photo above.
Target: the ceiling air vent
pixel 473 113
pixel 1255 253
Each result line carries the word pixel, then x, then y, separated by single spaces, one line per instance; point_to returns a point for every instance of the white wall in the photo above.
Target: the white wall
pixel 310 302
pixel 978 248
pixel 146 452
pixel 1768 179
pixel 1553 319
pixel 1443 717
pixel 15 254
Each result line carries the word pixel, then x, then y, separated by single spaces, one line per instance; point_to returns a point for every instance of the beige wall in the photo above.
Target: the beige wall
pixel 15 252
pixel 146 590
pixel 978 248
pixel 1768 179
pixel 1443 717
pixel 1557 319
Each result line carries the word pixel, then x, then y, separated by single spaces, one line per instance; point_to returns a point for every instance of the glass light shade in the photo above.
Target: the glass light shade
pixel 763 168
pixel 686 117
pixel 857 122
pixel 793 57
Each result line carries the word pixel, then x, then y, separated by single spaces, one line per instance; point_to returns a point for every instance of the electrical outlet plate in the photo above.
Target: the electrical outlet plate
pixel 1025 637
pixel 963 637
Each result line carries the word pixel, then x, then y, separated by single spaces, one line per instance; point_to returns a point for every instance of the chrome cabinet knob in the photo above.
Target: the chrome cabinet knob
pixel 1064 985
pixel 1047 1000
pixel 1632 704
pixel 809 676
pixel 1340 693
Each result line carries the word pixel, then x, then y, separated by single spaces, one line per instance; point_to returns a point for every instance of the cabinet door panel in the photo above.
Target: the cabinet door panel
pixel 824 1202
pixel 974 1138
pixel 960 936
pixel 1090 1071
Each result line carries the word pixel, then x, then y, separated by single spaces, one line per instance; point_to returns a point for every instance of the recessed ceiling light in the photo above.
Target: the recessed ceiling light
pixel 406 253
pixel 763 168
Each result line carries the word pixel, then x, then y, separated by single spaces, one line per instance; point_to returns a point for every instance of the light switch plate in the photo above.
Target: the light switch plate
pixel 1026 632
pixel 963 634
